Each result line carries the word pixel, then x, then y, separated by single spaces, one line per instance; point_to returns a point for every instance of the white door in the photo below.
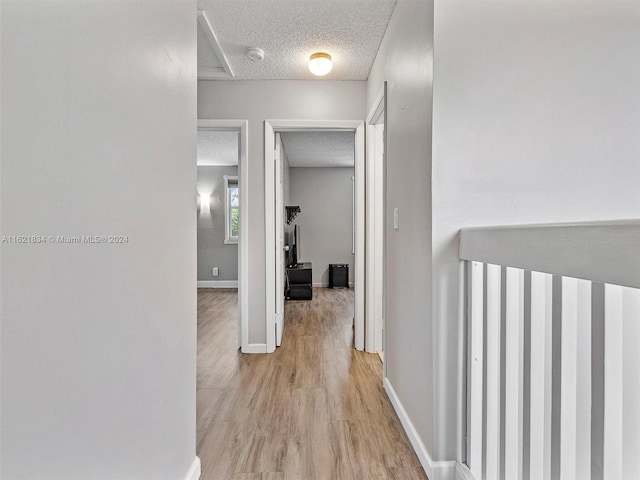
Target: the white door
pixel 378 247
pixel 279 240
pixel 375 207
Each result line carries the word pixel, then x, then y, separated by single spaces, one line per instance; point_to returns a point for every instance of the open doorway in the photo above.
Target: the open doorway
pixel 319 230
pixel 221 250
pixel 275 220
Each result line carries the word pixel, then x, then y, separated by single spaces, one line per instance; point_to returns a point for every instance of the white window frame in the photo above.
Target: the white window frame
pixel 233 180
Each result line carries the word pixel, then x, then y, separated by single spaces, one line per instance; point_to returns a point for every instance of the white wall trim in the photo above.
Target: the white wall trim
pixel 377 109
pixel 213 73
pixel 359 260
pixel 434 470
pixel 241 126
pixel 194 471
pixel 280 257
pixel 353 215
pixel 254 348
pixel 370 306
pixel 217 283
pixel 270 127
pixel 269 236
pixel 463 473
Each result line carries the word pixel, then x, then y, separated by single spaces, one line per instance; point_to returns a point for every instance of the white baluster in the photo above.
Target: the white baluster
pixel 514 374
pixel 476 339
pixel 541 316
pixel 631 383
pixel 613 381
pixel 492 357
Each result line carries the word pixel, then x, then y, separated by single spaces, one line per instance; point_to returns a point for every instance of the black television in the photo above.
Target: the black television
pixel 294 246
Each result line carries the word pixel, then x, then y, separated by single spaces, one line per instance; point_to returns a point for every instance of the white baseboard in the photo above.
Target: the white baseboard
pixel 217 284
pixel 255 348
pixel 434 470
pixel 463 473
pixel 194 471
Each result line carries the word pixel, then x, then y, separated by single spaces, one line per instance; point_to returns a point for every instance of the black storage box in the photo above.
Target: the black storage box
pixel 338 275
pixel 301 273
pixel 299 282
pixel 300 292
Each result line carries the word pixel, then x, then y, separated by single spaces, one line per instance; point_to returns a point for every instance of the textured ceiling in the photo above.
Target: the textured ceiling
pixel 290 30
pixel 217 148
pixel 319 149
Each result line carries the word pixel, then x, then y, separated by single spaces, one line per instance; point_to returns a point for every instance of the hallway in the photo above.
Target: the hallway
pixel 315 409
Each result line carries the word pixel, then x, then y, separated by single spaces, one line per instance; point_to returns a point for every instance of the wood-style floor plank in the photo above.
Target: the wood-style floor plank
pixel 408 473
pixel 313 410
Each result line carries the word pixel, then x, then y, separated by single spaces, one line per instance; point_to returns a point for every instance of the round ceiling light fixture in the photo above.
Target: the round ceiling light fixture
pixel 320 64
pixel 255 54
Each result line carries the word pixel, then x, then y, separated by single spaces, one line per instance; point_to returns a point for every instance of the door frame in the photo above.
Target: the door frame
pixel 241 126
pixel 270 127
pixel 375 205
pixel 279 251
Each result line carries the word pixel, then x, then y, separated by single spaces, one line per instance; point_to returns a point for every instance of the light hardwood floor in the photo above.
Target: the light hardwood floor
pixel 314 409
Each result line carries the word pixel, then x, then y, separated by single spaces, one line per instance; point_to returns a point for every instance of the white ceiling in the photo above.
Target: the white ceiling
pixel 216 148
pixel 319 149
pixel 290 30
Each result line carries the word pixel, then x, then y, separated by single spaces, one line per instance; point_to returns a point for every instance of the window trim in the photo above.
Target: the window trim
pixel 233 180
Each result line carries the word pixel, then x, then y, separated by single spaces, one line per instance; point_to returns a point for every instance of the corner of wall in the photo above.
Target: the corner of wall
pixel 434 470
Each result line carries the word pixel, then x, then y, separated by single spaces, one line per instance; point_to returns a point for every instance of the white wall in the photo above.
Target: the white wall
pixel 536 119
pixel 274 99
pixel 212 251
pixel 98 340
pixel 405 60
pixel 325 196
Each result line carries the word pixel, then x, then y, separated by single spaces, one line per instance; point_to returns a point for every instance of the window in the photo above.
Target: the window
pixel 232 209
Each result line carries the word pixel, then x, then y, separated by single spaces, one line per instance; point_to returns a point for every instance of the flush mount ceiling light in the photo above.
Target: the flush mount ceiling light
pixel 320 64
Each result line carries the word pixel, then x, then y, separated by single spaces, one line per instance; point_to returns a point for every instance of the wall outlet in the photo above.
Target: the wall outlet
pixel 396 219
pixel 215 272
